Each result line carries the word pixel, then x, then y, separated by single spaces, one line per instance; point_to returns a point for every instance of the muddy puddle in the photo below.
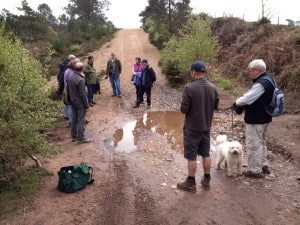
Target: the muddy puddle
pixel 168 124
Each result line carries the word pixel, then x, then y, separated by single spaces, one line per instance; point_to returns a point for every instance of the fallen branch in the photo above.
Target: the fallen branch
pixel 37 161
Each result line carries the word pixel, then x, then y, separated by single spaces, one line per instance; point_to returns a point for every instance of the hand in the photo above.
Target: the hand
pixel 106 77
pixel 238 109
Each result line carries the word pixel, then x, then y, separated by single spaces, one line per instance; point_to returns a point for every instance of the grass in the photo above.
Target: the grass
pixel 16 192
pixel 223 83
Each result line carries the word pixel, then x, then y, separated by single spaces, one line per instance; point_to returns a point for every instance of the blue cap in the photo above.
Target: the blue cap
pixel 198 66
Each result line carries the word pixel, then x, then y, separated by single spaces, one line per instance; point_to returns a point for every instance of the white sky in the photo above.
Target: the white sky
pixel 124 13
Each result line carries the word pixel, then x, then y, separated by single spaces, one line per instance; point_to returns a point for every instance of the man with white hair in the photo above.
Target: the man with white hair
pixel 254 102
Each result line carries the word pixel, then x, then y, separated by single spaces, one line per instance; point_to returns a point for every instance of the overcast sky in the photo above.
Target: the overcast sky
pixel 124 13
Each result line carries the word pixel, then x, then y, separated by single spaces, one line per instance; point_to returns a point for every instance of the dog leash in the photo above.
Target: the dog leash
pixel 232 123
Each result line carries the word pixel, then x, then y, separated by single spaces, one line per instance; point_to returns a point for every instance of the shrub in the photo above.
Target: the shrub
pixel 25 109
pixel 195 43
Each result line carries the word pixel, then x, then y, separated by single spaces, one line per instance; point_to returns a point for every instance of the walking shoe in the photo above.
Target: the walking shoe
pixel 94 103
pixel 74 139
pixel 187 185
pixel 266 170
pixel 136 106
pixel 113 95
pixel 83 140
pixel 205 182
pixel 91 105
pixel 253 175
pixel 148 106
pixel 119 96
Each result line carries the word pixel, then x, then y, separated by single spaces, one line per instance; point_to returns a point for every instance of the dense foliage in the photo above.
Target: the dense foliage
pixel 164 18
pixel 76 31
pixel 194 42
pixel 25 109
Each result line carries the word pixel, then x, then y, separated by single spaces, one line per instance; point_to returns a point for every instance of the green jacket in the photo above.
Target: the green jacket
pixel 117 68
pixel 90 74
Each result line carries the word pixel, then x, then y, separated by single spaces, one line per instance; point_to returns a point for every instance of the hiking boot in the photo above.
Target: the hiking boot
pixel 83 141
pixel 205 182
pixel 187 185
pixel 253 175
pixel 266 170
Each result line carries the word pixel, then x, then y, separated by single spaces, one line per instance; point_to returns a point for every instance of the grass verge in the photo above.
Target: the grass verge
pixel 15 194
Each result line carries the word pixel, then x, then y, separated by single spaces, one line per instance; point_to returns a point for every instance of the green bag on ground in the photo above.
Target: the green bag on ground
pixel 74 178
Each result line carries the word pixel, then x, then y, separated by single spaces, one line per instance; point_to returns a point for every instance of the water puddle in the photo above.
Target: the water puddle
pixel 168 124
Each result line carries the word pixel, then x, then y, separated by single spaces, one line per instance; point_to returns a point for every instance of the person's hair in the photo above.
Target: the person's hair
pixel 138 59
pixel 90 57
pixel 70 57
pixel 257 64
pixel 78 67
pixel 72 63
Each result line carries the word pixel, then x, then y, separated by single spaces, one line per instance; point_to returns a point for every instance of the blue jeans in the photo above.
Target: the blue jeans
pixel 77 126
pixel 91 91
pixel 115 84
pixel 70 113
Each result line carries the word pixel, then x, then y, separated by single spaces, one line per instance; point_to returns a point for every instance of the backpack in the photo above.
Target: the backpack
pixel 74 178
pixel 66 95
pixel 275 108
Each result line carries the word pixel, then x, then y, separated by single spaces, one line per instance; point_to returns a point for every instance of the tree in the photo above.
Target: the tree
pixel 87 9
pixel 46 13
pixel 195 42
pixel 25 109
pixel 290 22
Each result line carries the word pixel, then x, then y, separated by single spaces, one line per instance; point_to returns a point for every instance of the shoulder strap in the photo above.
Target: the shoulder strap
pixel 270 80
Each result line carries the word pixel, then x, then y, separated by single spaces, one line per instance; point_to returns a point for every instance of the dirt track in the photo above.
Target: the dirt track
pixel 137 188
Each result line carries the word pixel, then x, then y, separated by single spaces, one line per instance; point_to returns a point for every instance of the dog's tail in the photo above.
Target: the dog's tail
pixel 221 138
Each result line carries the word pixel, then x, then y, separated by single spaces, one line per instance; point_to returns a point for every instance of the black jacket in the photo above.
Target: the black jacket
pixel 256 112
pixel 148 77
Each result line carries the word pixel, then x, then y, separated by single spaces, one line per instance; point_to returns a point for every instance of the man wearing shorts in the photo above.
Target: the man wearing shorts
pixel 199 100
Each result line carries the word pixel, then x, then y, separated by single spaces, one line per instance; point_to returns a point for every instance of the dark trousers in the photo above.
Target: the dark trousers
pixel 91 91
pixel 142 91
pixel 77 126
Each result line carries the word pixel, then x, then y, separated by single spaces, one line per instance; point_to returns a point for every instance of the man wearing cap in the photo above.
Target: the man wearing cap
pixel 79 102
pixel 254 102
pixel 199 100
pixel 148 77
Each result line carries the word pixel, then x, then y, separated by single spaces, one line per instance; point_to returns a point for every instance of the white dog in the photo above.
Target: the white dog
pixel 232 152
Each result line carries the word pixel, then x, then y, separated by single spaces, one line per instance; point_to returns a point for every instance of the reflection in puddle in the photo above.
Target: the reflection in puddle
pixel 124 140
pixel 168 124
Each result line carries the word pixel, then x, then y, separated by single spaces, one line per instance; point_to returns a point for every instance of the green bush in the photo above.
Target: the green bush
pixel 195 43
pixel 74 47
pixel 25 109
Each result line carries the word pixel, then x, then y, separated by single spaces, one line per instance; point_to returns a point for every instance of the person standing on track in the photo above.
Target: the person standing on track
pixel 199 100
pixel 113 72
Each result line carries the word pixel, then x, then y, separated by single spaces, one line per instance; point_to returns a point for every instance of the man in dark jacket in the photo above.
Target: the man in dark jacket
pixel 254 102
pixel 148 77
pixel 199 100
pixel 113 72
pixel 79 102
